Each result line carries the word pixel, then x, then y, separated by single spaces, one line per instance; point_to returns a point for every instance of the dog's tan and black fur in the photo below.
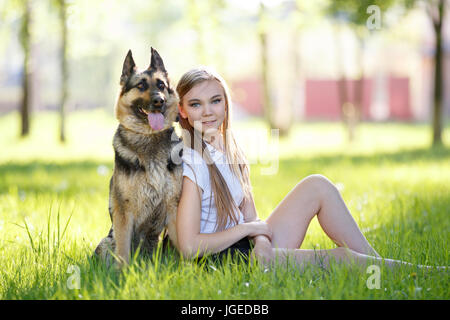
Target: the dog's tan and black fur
pixel 146 182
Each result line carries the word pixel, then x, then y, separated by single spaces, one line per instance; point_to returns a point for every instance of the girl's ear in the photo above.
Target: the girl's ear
pixel 182 112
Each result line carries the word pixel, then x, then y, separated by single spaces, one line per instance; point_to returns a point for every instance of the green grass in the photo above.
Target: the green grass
pixel 53 212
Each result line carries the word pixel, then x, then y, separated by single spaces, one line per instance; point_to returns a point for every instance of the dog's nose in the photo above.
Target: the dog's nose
pixel 157 102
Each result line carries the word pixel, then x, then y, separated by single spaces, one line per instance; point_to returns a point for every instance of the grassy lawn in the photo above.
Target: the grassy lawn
pixel 53 212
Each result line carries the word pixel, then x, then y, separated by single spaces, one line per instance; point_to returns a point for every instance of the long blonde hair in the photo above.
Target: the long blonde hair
pixel 226 207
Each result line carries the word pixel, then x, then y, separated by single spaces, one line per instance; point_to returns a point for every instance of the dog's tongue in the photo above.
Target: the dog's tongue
pixel 156 120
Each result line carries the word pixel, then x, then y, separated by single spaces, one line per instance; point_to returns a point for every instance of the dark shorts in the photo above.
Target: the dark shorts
pixel 242 249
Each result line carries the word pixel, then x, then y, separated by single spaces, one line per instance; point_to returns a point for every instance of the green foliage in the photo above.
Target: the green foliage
pixel 355 11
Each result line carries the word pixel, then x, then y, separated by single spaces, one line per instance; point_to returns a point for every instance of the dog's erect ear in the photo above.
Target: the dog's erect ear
pixel 129 67
pixel 156 61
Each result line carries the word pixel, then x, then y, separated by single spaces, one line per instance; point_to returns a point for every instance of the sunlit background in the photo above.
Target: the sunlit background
pixel 286 62
pixel 356 90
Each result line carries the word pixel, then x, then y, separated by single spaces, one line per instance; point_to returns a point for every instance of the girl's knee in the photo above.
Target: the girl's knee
pixel 318 184
pixel 316 179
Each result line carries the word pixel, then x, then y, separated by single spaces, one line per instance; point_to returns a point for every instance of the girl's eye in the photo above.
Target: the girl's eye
pixel 217 100
pixel 195 104
pixel 160 85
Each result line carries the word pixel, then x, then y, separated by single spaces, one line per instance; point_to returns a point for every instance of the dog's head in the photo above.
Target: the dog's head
pixel 147 103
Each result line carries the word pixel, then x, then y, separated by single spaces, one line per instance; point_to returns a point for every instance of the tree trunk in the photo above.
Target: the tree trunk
pixel 359 87
pixel 195 13
pixel 437 110
pixel 298 86
pixel 346 106
pixel 26 79
pixel 64 69
pixel 267 102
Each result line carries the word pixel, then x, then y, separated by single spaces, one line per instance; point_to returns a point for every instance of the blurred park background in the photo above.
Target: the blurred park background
pixel 286 61
pixel 358 91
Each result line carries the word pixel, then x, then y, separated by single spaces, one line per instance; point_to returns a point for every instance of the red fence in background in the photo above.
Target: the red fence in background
pixel 248 94
pixel 399 104
pixel 322 99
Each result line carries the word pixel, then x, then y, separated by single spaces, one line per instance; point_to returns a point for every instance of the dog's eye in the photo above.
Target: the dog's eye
pixel 160 84
pixel 141 85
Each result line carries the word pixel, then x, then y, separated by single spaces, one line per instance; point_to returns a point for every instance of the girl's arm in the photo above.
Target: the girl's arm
pixel 248 208
pixel 262 245
pixel 191 242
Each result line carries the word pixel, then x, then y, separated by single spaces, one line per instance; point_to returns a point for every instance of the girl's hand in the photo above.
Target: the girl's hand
pixel 258 227
pixel 263 252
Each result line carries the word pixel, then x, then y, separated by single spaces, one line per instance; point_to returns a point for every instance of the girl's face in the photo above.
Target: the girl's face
pixel 204 106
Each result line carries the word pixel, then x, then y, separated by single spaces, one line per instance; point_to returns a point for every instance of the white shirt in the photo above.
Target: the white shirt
pixel 201 178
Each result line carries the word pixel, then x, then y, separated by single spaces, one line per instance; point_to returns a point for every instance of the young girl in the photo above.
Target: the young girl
pixel 217 212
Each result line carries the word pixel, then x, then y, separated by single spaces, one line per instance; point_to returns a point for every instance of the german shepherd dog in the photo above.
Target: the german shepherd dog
pixel 146 183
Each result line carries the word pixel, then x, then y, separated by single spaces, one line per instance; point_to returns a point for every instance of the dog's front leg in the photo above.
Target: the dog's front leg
pixel 123 229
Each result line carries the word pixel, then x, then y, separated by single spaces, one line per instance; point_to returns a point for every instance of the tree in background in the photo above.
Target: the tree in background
pixel 25 41
pixel 22 10
pixel 355 14
pixel 203 18
pixel 305 14
pixel 61 6
pixel 263 25
pixel 194 15
pixel 435 9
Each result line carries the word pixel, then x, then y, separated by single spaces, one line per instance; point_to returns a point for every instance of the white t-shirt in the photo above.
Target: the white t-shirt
pixel 198 164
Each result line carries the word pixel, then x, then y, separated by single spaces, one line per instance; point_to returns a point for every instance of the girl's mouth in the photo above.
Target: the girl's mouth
pixel 208 123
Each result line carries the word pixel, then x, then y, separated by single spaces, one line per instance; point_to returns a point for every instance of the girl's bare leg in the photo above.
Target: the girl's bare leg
pixel 316 195
pixel 321 258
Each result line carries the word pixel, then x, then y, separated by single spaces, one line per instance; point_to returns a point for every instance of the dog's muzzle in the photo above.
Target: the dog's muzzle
pixel 158 103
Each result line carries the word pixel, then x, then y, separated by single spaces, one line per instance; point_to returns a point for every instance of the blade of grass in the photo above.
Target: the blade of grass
pixel 29 236
pixel 48 228
pixel 67 224
pixel 58 226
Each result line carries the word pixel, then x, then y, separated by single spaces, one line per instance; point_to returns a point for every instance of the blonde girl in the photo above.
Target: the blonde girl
pixel 217 213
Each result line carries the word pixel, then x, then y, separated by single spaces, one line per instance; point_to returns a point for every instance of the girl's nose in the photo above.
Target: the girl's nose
pixel 207 109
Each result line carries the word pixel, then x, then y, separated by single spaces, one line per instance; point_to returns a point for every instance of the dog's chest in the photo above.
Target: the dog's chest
pixel 158 178
pixel 161 176
pixel 158 187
